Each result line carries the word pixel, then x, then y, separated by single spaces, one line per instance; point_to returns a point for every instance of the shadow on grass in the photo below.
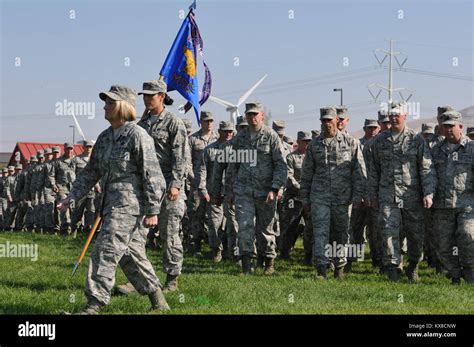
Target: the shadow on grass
pixel 38 286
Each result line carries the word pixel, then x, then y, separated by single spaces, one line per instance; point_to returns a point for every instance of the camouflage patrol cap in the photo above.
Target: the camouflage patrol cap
pixel 451 118
pixel 253 107
pixel 428 128
pixel 68 145
pixel 304 136
pixel 279 126
pixel 48 151
pixel 226 126
pixel 206 115
pixel 341 111
pixel 5 170
pixel 33 159
pixel 88 143
pixel 11 168
pixel 56 149
pixel 241 121
pixel 443 109
pixel 383 116
pixel 39 151
pixel 328 112
pixel 18 166
pixel 470 131
pixel 154 87
pixel 187 124
pixel 315 133
pixel 397 108
pixel 120 93
pixel 288 139
pixel 371 123
pixel 40 156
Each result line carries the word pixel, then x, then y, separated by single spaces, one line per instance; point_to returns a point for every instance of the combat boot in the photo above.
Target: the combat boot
pixel 284 254
pixel 392 273
pixel 260 261
pixel 246 265
pixel 412 273
pixel 125 289
pixel 321 273
pixel 468 275
pixel 339 273
pixel 197 248
pixel 216 255
pixel 93 307
pixel 171 284
pixel 455 281
pixel 307 259
pixel 158 301
pixel 347 268
pixel 269 266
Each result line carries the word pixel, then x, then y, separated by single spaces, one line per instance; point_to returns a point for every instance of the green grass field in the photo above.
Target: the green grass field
pixel 46 287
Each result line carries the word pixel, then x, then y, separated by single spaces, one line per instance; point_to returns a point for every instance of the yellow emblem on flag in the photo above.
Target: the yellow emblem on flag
pixel 190 68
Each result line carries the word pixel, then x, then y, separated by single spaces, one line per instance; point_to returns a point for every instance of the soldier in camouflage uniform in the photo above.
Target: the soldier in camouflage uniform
pixel 470 133
pixel 20 194
pixel 185 222
pixel 171 147
pixel 453 214
pixel 220 195
pixel 198 141
pixel 215 211
pixel 364 218
pixel 8 194
pixel 12 197
pixel 254 185
pixel 3 200
pixel 29 217
pixel 401 182
pixel 343 118
pixel 384 120
pixel 315 133
pixel 84 210
pixel 133 185
pixel 293 210
pixel 35 192
pixel 61 176
pixel 430 247
pixel 47 196
pixel 333 177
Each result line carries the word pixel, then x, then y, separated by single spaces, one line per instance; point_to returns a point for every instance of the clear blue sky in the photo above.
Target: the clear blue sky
pixel 75 59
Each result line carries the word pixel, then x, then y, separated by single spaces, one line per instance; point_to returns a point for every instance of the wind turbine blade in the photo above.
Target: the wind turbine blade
pixel 221 102
pixel 78 127
pixel 250 91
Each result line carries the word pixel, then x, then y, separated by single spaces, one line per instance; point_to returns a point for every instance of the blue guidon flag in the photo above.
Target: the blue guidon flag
pixel 180 68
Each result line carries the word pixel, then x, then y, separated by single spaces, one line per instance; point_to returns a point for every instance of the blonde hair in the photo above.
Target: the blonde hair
pixel 124 111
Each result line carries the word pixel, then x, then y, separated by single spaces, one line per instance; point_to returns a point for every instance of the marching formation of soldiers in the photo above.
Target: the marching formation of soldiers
pixel 29 193
pixel 249 191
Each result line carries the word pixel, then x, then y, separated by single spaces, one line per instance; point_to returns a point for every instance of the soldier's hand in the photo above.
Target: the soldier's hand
pixel 427 202
pixel 55 189
pixel 150 221
pixel 63 205
pixel 280 195
pixel 173 193
pixel 271 196
pixel 98 190
pixel 358 204
pixel 206 197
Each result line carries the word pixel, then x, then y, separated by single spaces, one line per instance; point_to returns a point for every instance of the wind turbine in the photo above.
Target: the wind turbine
pixel 234 109
pixel 78 127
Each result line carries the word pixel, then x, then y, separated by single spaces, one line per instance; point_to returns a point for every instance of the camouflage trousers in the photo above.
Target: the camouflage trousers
pixel 396 224
pixel 455 232
pixel 255 218
pixel 37 206
pixel 20 215
pixel 197 214
pixel 29 218
pixel 169 225
pixel 83 212
pixel 121 241
pixel 222 217
pixel 331 234
pixel 365 219
pixel 431 246
pixel 291 216
pixel 63 218
pixel 3 207
pixel 12 212
pixel 47 212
